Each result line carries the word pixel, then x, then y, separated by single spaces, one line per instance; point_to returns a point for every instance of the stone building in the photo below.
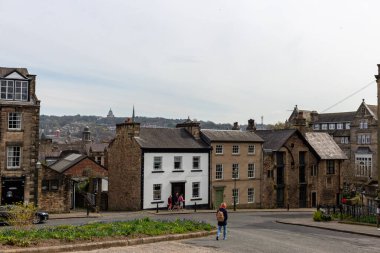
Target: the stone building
pixel 19 114
pixel 146 165
pixel 236 166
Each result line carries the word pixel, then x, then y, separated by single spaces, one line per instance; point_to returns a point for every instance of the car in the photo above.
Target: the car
pixel 39 217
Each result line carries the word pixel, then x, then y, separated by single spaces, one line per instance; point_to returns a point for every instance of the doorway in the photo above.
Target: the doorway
pixel 313 199
pixel 219 192
pixel 12 190
pixel 180 188
pixel 302 196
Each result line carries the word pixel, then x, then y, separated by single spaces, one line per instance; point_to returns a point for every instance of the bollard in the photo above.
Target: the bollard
pixel 157 208
pixel 195 207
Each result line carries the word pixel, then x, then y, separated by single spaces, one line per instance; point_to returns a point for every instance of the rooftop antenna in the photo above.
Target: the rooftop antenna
pixel 133 114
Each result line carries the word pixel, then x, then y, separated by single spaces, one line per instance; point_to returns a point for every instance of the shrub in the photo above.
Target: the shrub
pixel 320 216
pixel 21 215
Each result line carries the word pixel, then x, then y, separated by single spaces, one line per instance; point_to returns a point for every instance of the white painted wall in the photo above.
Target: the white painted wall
pixel 168 176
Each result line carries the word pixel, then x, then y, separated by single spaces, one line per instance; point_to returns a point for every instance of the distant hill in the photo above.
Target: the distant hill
pixel 102 128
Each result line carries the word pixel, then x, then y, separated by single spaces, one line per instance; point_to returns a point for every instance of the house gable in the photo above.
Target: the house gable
pixel 15 75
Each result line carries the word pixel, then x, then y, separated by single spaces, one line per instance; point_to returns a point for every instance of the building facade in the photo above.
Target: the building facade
pixel 19 136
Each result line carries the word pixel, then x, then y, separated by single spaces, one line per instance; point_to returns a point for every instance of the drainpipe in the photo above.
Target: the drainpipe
pixel 261 175
pixel 378 132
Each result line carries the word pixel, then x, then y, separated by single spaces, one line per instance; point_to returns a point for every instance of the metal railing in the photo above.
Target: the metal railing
pixel 357 213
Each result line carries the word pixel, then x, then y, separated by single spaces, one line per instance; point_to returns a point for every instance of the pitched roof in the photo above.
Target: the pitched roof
pixel 96 147
pixel 325 146
pixel 373 109
pixel 335 117
pixel 275 139
pixel 6 71
pixel 63 164
pixel 168 138
pixel 230 136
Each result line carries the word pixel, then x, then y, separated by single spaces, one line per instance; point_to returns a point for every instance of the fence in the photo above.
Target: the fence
pixel 358 213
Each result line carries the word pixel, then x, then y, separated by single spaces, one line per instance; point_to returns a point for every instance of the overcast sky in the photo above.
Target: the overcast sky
pixel 215 60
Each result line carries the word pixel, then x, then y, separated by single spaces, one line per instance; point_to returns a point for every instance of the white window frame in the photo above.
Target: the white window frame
pixel 235 149
pixel 316 126
pixel 339 126
pixel 177 160
pixel 235 195
pixel 196 162
pixel 235 168
pixel 157 192
pixel 251 170
pixel 363 165
pixel 219 171
pixel 196 189
pixel 14 156
pixel 348 125
pixel 14 90
pixel 332 126
pixel 251 149
pixel 363 124
pixel 251 195
pixel 219 149
pixel 14 119
pixel 157 160
pixel 324 126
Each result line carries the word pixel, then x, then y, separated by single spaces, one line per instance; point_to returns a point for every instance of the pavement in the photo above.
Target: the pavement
pixel 366 230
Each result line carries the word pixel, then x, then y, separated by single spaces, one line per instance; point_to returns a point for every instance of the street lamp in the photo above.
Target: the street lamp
pixel 234 169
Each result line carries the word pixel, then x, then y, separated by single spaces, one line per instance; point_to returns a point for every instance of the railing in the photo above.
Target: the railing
pixel 357 213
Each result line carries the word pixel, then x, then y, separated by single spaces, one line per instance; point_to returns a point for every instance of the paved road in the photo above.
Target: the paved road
pixel 258 232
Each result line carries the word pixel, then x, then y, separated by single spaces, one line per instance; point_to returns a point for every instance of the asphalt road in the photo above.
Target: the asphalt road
pixel 250 232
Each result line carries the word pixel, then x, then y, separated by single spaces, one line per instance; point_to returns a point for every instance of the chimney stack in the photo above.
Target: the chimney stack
pixel 192 127
pixel 236 126
pixel 251 125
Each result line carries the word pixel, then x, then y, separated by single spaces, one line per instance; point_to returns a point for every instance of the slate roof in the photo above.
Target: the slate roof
pixel 373 109
pixel 168 138
pixel 275 139
pixel 230 136
pixel 96 147
pixel 335 117
pixel 6 71
pixel 63 164
pixel 325 146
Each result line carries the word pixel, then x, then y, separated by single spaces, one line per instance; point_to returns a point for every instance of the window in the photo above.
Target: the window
pixel 324 126
pixel 157 163
pixel 339 126
pixel 177 162
pixel 363 124
pixel 330 167
pixel 13 157
pixel 98 159
pixel 363 164
pixel 196 162
pixel 156 192
pixel 219 149
pixel 332 126
pixel 251 195
pixel 235 171
pixel 196 186
pixel 316 126
pixel 53 185
pixel 251 149
pixel 235 196
pixel 45 185
pixel 270 173
pixel 313 170
pixel 364 139
pixel 219 171
pixel 50 185
pixel 235 149
pixel 251 170
pixel 14 120
pixel 344 140
pixel 14 90
pixel 348 125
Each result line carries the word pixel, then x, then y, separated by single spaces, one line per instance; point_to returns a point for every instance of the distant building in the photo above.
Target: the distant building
pixel 110 114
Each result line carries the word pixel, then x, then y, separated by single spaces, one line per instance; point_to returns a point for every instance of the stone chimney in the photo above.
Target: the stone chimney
pixel 128 128
pixel 236 126
pixel 251 125
pixel 300 122
pixel 191 126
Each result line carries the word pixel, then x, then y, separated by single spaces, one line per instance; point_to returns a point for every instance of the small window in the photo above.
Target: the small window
pixel 178 162
pixel 339 126
pixel 219 149
pixel 14 120
pixel 330 167
pixel 313 170
pixel 235 196
pixel 251 195
pixel 316 126
pixel 157 163
pixel 196 162
pixel 324 126
pixel 251 170
pixel 156 192
pixel 251 149
pixel 235 171
pixel 54 185
pixel 45 185
pixel 348 125
pixel 196 186
pixel 219 171
pixel 13 157
pixel 235 149
pixel 332 126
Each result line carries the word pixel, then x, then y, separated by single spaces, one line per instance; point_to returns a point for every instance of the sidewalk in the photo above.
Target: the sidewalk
pixel 367 230
pixel 190 211
pixel 73 214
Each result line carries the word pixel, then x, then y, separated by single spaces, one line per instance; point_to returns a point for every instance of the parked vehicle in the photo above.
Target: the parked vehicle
pixel 5 212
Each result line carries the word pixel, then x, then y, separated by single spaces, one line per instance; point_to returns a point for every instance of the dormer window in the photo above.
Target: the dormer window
pixel 14 89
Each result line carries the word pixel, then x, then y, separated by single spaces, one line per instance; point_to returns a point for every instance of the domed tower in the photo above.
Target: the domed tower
pixel 110 114
pixel 86 135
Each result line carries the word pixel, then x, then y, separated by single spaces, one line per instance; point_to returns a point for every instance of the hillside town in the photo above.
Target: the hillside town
pixel 315 159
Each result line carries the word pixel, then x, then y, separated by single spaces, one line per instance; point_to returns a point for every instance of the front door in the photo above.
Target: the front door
pixel 218 197
pixel 302 196
pixel 12 190
pixel 178 188
pixel 313 199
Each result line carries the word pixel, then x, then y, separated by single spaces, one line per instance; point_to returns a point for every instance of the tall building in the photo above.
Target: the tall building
pixel 19 134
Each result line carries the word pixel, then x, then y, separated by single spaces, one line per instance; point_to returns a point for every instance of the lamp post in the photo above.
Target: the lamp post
pixel 36 174
pixel 234 193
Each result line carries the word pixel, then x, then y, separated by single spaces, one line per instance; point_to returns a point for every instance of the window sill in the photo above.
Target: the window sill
pixel 236 154
pixel 158 171
pixel 194 199
pixel 218 153
pixel 196 170
pixel 15 130
pixel 178 171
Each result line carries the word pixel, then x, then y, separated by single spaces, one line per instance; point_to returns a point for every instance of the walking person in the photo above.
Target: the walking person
pixel 222 217
pixel 181 201
pixel 175 201
pixel 378 216
pixel 170 203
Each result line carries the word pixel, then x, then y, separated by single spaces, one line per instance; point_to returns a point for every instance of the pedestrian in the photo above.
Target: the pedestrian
pixel 222 217
pixel 170 203
pixel 181 201
pixel 378 216
pixel 175 201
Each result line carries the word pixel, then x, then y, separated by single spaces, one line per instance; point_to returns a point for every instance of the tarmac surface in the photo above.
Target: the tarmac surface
pixel 163 244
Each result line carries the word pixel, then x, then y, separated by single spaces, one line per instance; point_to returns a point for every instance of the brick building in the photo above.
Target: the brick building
pixel 19 114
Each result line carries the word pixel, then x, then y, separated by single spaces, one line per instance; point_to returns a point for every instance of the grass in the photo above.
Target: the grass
pixel 129 229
